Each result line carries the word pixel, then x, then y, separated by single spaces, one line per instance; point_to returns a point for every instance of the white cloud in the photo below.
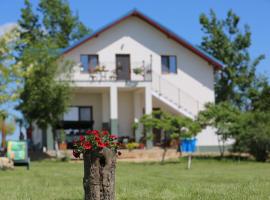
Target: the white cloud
pixel 6 27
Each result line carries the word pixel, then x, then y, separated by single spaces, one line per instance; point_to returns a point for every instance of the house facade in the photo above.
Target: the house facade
pixel 129 68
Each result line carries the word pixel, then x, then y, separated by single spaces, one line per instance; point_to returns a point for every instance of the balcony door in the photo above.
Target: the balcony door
pixel 123 66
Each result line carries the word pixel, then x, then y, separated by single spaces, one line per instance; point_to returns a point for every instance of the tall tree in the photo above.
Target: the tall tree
pixel 60 23
pixel 222 117
pixel 10 76
pixel 224 40
pixel 45 30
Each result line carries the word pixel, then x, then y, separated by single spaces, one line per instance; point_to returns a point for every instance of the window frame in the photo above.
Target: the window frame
pixel 88 61
pixel 91 113
pixel 169 64
pixel 79 114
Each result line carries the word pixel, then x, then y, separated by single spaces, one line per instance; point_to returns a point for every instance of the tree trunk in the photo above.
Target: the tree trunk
pixel 3 145
pixel 108 174
pixel 91 180
pixel 99 175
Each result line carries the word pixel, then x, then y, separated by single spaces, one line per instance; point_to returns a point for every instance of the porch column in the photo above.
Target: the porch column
pixel 114 109
pixel 47 138
pixel 105 111
pixel 138 112
pixel 50 138
pixel 148 110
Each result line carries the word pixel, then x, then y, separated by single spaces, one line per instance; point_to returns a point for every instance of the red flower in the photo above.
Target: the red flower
pixel 76 154
pixel 101 145
pixel 88 132
pixel 98 139
pixel 82 138
pixel 87 145
pixel 105 133
pixel 95 132
pixel 113 137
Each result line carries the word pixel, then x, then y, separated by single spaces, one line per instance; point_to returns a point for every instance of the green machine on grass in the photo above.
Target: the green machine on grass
pixel 18 152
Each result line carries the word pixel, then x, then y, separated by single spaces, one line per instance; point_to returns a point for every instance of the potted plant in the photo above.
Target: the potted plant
pixel 62 144
pixel 99 149
pixel 138 71
pixel 100 68
pixel 132 145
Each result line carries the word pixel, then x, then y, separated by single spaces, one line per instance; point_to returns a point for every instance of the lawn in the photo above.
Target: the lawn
pixel 208 179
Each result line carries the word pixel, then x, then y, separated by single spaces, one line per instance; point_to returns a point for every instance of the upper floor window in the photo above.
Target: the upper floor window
pixel 168 64
pixel 89 62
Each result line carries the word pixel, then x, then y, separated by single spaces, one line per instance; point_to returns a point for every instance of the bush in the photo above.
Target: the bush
pixel 252 134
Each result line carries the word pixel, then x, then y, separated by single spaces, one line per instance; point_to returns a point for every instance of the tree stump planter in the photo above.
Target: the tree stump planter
pixel 99 149
pixel 99 175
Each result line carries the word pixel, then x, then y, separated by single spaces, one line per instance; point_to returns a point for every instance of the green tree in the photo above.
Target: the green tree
pixel 52 19
pixel 252 134
pixel 44 31
pixel 260 98
pixel 222 117
pixel 172 127
pixel 44 96
pixel 10 77
pixel 226 41
pixel 60 23
pixel 10 73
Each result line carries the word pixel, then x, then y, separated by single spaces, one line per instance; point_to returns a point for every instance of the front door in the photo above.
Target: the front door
pixel 123 67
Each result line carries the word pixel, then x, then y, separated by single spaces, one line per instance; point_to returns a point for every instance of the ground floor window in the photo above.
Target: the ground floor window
pixel 75 122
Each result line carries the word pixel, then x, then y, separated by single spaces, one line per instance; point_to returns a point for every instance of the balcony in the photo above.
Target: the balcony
pixel 112 72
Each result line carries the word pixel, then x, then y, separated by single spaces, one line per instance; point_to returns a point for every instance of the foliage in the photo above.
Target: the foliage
pixel 94 141
pixel 260 100
pixel 43 32
pixel 53 19
pixel 10 73
pixel 44 97
pixel 224 40
pixel 175 125
pixel 138 70
pixel 252 134
pixel 132 145
pixel 222 117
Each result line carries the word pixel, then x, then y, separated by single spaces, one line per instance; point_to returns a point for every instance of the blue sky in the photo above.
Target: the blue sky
pixel 181 16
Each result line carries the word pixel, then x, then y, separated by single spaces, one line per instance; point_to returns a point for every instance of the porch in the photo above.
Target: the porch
pixel 113 108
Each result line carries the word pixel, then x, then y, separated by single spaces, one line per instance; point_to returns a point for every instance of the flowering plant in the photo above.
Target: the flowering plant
pixel 94 141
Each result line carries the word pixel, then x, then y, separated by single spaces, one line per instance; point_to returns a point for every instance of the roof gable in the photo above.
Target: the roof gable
pixel 213 61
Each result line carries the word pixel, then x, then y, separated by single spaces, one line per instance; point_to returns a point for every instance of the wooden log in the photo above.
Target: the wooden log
pixel 91 180
pixel 107 172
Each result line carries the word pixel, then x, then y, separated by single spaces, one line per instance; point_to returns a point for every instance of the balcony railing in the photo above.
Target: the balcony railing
pixel 109 71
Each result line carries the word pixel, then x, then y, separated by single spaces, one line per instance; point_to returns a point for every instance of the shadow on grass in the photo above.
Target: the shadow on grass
pixel 38 156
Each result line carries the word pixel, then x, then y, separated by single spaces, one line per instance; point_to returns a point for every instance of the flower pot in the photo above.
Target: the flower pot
pixel 62 146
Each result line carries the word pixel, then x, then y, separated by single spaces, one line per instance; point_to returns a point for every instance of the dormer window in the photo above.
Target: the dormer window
pixel 168 65
pixel 89 63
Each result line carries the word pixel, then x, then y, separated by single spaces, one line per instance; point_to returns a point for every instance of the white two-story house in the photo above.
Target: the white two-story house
pixel 133 66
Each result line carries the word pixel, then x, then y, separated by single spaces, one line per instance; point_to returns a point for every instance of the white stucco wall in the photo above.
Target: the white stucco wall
pixel 90 99
pixel 133 36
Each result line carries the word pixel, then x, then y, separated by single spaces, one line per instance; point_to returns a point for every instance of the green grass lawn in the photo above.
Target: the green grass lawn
pixel 208 179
